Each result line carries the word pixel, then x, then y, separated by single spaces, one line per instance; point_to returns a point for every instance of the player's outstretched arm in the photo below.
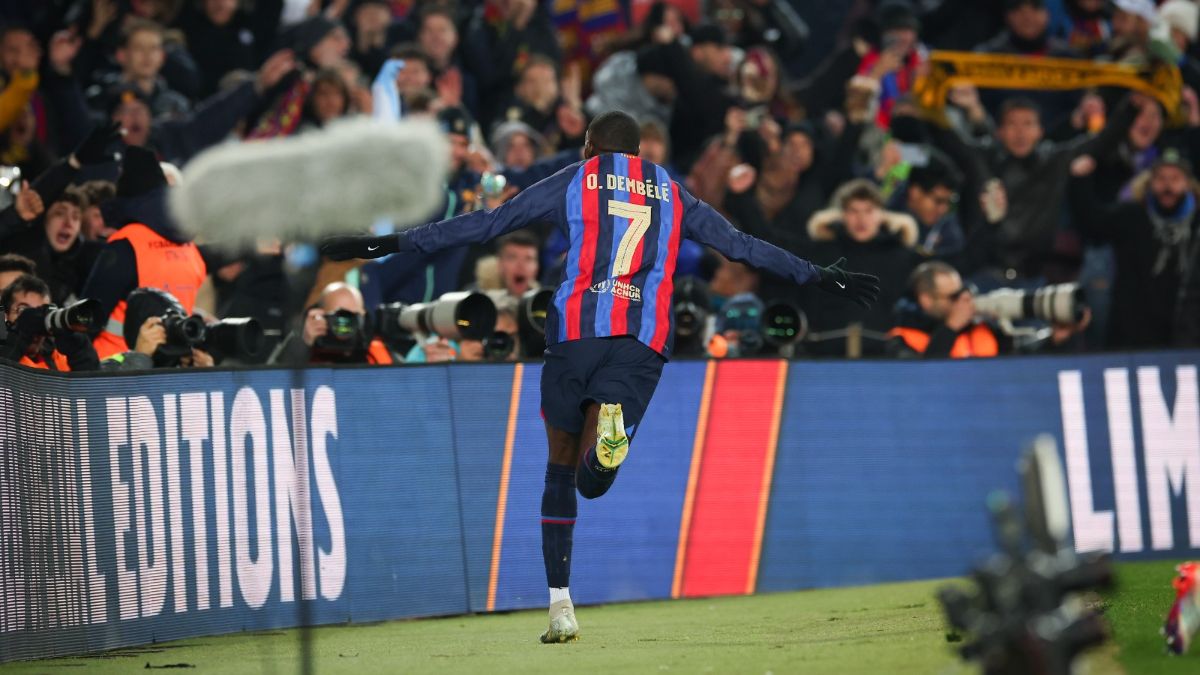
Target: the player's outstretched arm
pixel 704 225
pixel 537 203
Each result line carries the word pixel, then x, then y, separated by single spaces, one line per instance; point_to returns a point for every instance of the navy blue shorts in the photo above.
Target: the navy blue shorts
pixel 605 370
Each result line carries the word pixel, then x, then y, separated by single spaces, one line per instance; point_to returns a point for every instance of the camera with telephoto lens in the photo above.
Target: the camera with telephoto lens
pixel 77 317
pixel 345 335
pixel 498 346
pixel 531 321
pixel 1058 303
pixel 691 308
pixel 456 316
pixel 783 324
pixel 239 338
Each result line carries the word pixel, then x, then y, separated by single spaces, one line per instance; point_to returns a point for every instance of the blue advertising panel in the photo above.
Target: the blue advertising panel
pixel 139 508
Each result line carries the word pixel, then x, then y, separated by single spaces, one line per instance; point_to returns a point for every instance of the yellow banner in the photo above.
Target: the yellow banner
pixel 1161 81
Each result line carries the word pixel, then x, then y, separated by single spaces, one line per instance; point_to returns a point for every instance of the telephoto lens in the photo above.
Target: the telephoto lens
pixel 77 317
pixel 1057 303
pixel 456 316
pixel 239 338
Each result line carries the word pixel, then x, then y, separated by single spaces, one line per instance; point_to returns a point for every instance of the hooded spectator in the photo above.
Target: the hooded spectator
pixel 859 229
pixel 1138 36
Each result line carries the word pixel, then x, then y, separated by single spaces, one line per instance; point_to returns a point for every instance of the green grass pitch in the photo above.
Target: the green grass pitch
pixel 890 628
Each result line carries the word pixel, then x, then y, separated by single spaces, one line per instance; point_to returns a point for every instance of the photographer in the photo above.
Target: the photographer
pixel 334 331
pixel 146 329
pixel 26 302
pixel 941 318
pixel 942 322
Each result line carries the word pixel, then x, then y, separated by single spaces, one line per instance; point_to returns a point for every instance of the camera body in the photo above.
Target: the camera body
pixel 239 338
pixel 344 337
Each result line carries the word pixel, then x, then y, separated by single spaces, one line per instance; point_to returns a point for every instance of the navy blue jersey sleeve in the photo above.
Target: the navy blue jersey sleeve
pixel 542 201
pixel 703 225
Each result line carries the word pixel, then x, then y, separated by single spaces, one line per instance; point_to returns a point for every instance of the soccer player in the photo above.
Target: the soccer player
pixel 609 330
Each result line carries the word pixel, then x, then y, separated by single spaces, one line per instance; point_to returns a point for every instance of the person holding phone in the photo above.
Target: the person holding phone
pixel 895 63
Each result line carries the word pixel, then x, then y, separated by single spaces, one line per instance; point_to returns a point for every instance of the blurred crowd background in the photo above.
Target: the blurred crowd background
pixel 1019 221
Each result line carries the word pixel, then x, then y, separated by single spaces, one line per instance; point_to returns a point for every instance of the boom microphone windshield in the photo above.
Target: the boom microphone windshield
pixel 337 180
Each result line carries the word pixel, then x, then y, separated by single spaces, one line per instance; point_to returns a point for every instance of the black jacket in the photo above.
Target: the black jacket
pixel 888 256
pixel 1187 313
pixel 1036 186
pixel 65 272
pixel 1149 272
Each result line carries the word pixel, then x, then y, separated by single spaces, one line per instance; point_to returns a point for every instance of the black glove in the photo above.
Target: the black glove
pixel 31 322
pixel 81 355
pixel 95 148
pixel 861 288
pixel 348 247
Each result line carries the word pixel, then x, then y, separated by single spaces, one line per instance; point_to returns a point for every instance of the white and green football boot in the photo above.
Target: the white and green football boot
pixel 563 626
pixel 612 444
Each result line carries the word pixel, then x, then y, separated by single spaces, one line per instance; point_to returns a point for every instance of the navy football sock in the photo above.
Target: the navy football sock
pixel 591 477
pixel 558 523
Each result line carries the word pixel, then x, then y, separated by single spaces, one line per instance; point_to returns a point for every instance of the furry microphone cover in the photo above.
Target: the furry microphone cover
pixel 337 180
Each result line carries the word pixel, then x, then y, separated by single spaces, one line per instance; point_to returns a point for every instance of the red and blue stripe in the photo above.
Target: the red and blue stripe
pixel 595 238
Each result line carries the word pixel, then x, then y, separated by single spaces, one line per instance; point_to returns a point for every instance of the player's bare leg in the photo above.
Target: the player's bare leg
pixel 558 524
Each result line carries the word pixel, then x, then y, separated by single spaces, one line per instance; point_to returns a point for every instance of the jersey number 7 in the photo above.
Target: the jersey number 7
pixel 639 223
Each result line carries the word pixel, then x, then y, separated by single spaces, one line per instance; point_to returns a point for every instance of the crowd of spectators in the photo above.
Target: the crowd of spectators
pixel 102 102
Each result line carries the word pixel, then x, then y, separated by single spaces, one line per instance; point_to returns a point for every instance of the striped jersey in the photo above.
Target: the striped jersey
pixel 624 218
